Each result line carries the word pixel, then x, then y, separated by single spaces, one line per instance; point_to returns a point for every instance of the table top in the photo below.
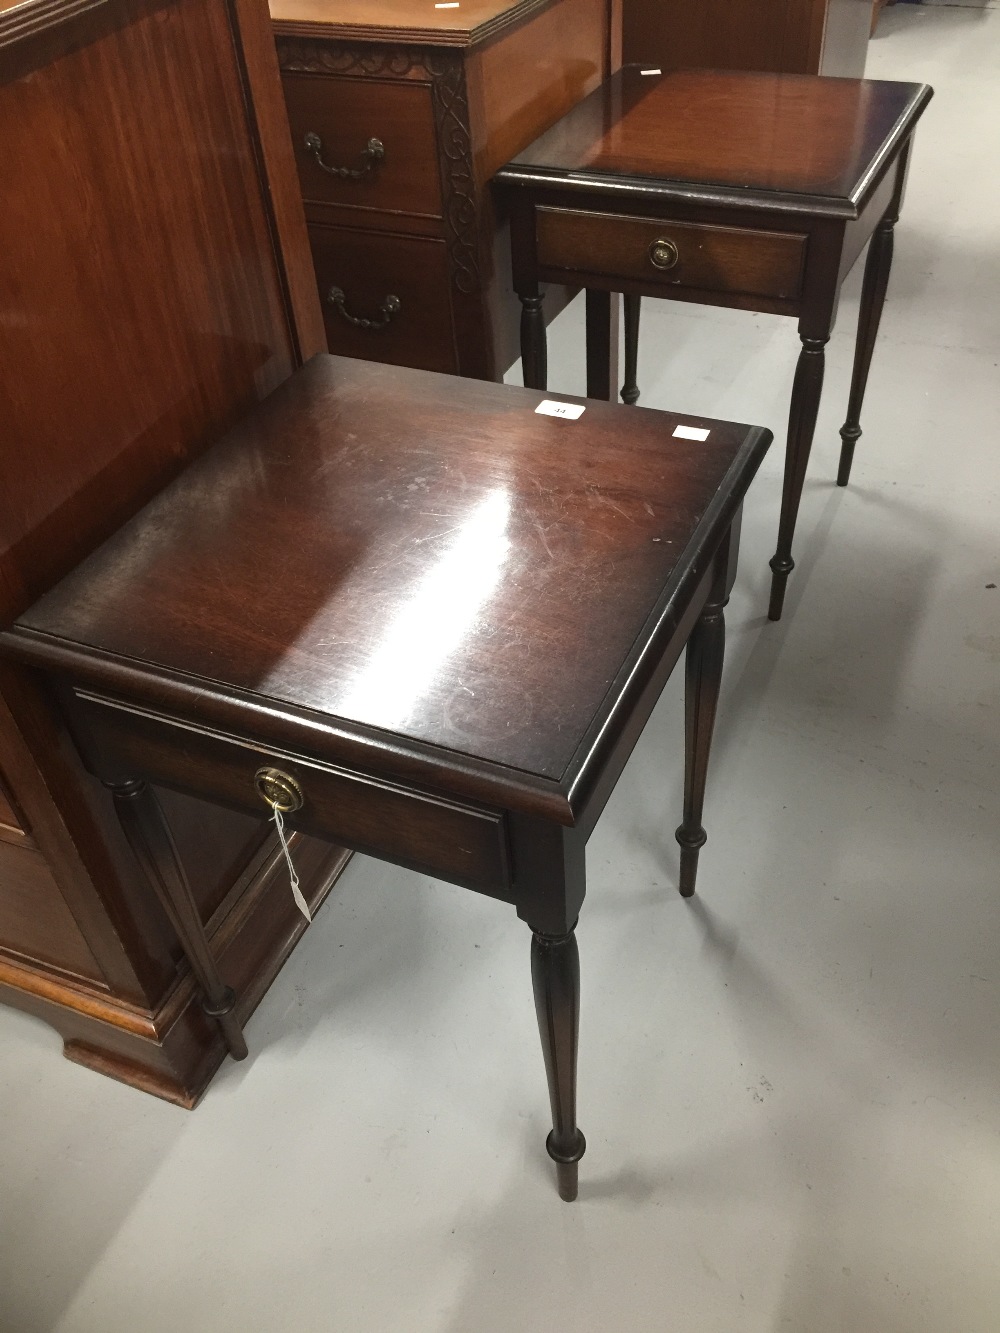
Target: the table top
pixel 748 139
pixel 421 21
pixel 412 553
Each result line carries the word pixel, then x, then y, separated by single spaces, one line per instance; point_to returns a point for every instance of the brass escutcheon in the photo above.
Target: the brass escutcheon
pixel 278 790
pixel 663 254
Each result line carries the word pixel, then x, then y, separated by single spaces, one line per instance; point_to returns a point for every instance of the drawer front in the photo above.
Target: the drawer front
pixel 398 284
pixel 464 844
pixel 730 260
pixel 334 122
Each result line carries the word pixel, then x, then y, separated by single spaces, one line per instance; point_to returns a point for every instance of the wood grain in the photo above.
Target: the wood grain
pixel 780 36
pixel 710 259
pixel 448 568
pixel 746 139
pixel 154 287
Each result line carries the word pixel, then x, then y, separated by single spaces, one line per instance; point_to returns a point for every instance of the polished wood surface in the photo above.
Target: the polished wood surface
pixel 753 191
pixel 472 556
pixel 760 134
pixel 782 36
pixel 116 405
pixel 448 104
pixel 156 283
pixel 407 20
pixel 439 615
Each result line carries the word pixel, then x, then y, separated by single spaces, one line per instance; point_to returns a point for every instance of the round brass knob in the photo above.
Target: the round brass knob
pixel 278 790
pixel 663 254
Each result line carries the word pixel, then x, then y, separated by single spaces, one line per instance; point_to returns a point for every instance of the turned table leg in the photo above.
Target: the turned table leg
pixel 555 977
pixel 534 353
pixel 149 836
pixel 630 389
pixel 877 269
pixel 806 392
pixel 876 284
pixel 702 678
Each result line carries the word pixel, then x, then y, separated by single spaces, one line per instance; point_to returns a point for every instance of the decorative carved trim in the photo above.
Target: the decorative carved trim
pixel 445 72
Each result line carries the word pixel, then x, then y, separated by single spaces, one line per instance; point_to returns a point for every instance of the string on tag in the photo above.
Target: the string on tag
pixel 297 893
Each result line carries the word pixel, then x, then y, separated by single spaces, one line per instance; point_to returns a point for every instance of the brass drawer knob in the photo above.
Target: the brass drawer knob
pixel 278 790
pixel 663 254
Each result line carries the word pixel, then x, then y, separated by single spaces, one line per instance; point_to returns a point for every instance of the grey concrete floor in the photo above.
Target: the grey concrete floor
pixel 789 1086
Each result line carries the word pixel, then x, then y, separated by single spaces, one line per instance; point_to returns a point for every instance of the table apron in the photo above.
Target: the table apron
pixel 435 835
pixel 666 256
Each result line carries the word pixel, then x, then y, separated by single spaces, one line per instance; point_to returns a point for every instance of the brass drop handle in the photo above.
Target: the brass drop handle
pixel 372 156
pixel 388 310
pixel 663 254
pixel 278 790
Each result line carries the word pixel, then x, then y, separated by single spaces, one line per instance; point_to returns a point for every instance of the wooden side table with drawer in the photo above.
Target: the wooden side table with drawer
pixel 460 624
pixel 400 114
pixel 753 191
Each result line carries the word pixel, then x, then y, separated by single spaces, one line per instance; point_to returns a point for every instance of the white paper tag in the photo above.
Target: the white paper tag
pixel 452 4
pixel 571 411
pixel 691 433
pixel 651 71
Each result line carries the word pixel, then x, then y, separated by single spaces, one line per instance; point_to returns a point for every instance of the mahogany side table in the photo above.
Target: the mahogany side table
pixel 754 191
pixel 424 620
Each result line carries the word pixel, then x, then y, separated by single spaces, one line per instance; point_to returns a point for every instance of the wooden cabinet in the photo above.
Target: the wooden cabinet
pixel 783 36
pixel 411 249
pixel 155 284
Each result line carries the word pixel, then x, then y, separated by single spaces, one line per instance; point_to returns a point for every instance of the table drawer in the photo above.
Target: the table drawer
pixel 398 284
pixel 333 121
pixel 729 260
pixel 464 844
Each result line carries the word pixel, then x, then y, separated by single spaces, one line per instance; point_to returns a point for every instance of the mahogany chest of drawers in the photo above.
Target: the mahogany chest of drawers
pixel 401 113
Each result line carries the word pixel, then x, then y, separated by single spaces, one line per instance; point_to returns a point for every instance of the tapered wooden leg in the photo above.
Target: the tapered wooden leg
pixel 876 284
pixel 706 650
pixel 603 319
pixel 806 392
pixel 534 353
pixel 630 389
pixel 555 977
pixel 150 838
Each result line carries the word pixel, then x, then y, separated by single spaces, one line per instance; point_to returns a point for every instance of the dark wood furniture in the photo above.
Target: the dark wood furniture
pixel 425 620
pixel 400 114
pixel 776 36
pixel 755 191
pixel 155 284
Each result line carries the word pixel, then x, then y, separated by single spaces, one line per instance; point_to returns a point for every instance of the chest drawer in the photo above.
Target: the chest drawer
pixel 393 304
pixel 364 143
pixel 730 260
pixel 438 836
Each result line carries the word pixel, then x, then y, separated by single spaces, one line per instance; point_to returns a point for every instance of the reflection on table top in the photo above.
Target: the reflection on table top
pixel 417 553
pixel 782 133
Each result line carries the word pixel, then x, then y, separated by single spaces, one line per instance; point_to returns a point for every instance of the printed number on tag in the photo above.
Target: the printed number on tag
pixel 571 411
